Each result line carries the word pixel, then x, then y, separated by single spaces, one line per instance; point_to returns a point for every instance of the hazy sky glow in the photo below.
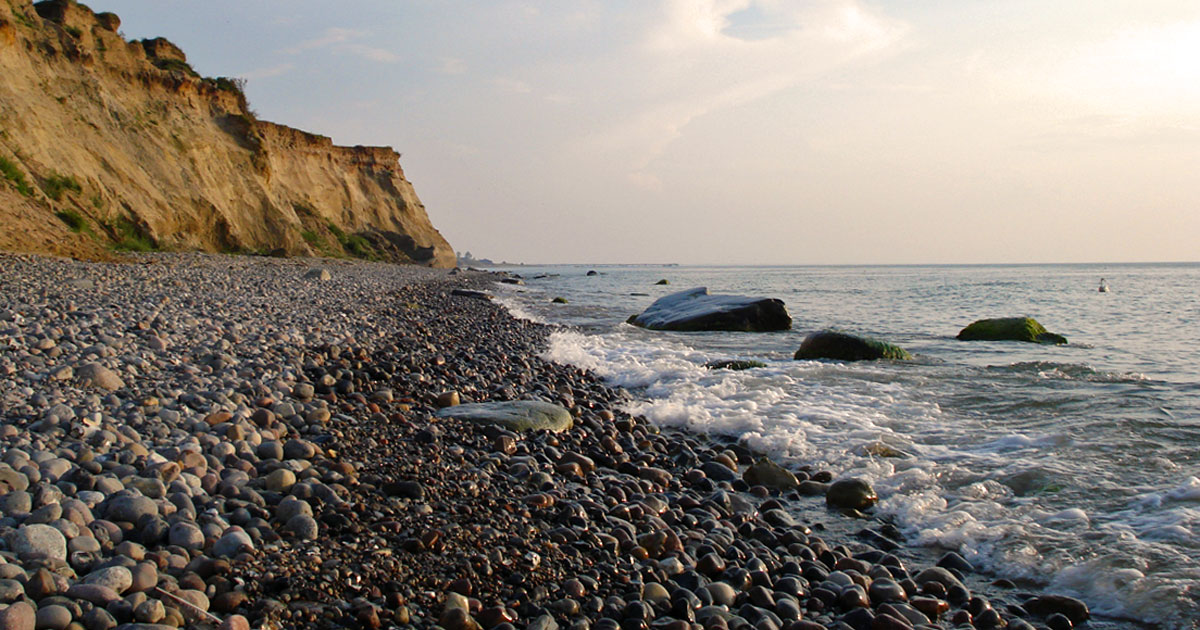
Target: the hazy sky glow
pixel 745 131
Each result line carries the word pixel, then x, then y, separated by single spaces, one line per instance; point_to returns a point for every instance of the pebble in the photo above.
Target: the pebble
pixel 53 617
pixel 99 376
pixel 272 451
pixel 39 540
pixel 118 579
pixel 98 594
pixel 18 616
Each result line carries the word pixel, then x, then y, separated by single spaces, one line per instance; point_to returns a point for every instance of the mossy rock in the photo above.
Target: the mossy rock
pixel 559 300
pixel 734 364
pixel 840 346
pixel 664 281
pixel 1010 329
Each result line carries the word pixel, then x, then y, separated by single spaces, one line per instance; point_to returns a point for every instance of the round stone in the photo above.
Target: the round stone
pixel 53 617
pixel 98 376
pixel 291 506
pixel 39 540
pixel 303 526
pixel 130 507
pixel 186 535
pixel 280 480
pixel 19 616
pixel 117 578
pixel 145 577
pixel 10 590
pixel 298 449
pixel 233 542
pixel 150 611
pixel 95 593
pixel 270 449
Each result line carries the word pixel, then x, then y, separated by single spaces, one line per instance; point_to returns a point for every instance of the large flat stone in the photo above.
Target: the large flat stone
pixel 516 415
pixel 698 310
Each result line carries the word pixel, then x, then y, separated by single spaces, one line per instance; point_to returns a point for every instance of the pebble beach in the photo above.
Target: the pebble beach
pixel 192 440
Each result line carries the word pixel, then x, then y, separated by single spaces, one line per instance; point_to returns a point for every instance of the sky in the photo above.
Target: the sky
pixel 745 131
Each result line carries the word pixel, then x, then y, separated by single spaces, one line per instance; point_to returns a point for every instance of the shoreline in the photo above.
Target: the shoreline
pixel 286 466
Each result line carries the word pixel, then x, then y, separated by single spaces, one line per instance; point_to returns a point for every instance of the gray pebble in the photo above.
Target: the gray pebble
pixel 39 540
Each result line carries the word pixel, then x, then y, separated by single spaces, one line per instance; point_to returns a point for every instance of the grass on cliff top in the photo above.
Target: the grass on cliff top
pixel 176 65
pixel 56 184
pixel 13 174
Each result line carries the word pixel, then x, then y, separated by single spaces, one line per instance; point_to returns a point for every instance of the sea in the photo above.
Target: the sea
pixel 1075 468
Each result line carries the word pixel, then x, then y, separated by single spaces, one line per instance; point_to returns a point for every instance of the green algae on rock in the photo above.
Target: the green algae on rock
pixel 841 346
pixel 1010 329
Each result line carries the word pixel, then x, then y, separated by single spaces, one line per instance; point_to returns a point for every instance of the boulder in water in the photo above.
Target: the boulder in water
pixel 853 493
pixel 697 310
pixel 833 344
pixel 1009 329
pixel 516 415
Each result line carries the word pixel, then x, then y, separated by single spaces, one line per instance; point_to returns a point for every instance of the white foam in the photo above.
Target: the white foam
pixel 509 299
pixel 1188 491
pixel 963 487
pixel 1070 516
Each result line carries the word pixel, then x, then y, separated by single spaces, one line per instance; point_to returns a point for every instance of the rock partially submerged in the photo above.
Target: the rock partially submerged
pixel 852 493
pixel 833 344
pixel 1010 329
pixel 516 415
pixel 697 310
pixel 734 364
pixel 767 473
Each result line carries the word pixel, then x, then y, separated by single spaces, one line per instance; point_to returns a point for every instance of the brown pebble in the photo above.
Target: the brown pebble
pixel 235 622
pixel 18 616
pixel 217 417
pixel 228 601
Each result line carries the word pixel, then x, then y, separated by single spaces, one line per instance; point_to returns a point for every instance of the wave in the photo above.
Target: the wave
pixel 1068 371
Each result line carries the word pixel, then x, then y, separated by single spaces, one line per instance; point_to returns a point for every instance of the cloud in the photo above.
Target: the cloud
pixel 345 41
pixel 512 86
pixel 372 53
pixel 693 62
pixel 332 36
pixel 273 71
pixel 452 65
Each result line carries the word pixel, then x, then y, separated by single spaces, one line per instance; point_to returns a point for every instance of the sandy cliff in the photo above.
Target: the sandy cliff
pixel 106 141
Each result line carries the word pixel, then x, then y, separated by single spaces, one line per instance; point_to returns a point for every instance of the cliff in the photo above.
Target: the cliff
pixel 107 143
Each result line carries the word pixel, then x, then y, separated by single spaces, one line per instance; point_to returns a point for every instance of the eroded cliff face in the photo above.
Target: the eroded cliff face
pixel 106 141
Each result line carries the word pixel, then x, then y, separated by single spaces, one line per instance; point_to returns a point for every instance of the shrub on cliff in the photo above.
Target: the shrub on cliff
pixel 129 236
pixel 56 184
pixel 74 221
pixel 13 174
